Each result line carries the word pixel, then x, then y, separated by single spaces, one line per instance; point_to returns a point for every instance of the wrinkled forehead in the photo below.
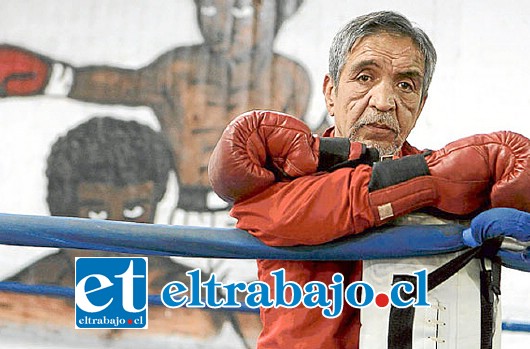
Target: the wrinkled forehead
pixel 390 42
pixel 389 33
pixel 397 48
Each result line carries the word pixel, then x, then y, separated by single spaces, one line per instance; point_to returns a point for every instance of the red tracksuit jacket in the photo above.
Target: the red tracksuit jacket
pixel 309 210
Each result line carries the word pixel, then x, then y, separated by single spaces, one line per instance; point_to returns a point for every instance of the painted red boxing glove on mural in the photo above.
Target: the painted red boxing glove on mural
pixel 22 72
pixel 260 147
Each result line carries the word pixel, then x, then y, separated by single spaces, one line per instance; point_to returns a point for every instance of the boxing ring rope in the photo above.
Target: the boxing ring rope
pixel 202 242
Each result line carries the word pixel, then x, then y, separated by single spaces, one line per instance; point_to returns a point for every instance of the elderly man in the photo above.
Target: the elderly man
pixel 361 174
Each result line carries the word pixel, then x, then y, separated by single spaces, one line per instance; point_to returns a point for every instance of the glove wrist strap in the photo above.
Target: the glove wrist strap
pixel 391 172
pixel 336 152
pixel 332 151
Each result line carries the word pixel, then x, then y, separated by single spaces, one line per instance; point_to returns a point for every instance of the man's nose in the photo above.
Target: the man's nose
pixel 382 96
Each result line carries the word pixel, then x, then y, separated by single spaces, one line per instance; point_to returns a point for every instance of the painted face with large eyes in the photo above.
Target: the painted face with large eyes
pixel 235 27
pixel 133 203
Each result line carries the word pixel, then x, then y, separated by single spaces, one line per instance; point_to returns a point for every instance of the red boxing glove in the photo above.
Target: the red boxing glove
pixel 260 147
pixel 490 168
pixel 22 72
pixel 461 178
pixel 467 174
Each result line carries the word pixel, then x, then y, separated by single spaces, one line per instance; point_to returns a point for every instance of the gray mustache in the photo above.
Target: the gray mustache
pixel 386 119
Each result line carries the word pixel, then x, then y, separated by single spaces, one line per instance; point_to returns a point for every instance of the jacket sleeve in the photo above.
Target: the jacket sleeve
pixel 309 210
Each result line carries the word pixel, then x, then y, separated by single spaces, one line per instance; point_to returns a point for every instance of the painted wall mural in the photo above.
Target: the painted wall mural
pixel 112 169
pixel 194 91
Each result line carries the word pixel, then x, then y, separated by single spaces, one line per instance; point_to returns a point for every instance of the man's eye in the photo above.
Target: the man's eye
pixel 208 11
pixel 135 212
pixel 97 214
pixel 243 12
pixel 405 86
pixel 363 78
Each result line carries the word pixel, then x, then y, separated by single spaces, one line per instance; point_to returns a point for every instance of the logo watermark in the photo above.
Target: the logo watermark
pixel 289 294
pixel 111 292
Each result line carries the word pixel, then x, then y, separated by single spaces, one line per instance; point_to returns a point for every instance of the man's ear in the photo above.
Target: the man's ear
pixel 328 88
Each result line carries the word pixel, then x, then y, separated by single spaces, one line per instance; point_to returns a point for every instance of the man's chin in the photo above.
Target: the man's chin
pixel 384 148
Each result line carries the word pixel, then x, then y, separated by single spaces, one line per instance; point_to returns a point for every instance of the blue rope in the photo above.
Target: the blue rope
pixel 515 326
pixel 43 290
pixel 187 241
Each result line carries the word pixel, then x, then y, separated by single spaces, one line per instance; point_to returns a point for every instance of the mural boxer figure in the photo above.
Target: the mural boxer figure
pixel 194 91
pixel 117 170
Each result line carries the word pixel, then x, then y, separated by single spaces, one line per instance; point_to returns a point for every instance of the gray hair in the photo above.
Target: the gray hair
pixel 378 22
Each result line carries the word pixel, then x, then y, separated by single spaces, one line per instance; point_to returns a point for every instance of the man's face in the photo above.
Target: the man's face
pixel 378 98
pixel 235 27
pixel 133 203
